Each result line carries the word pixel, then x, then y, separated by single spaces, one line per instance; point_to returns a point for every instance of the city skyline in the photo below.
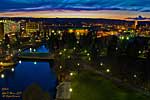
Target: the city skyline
pixel 110 9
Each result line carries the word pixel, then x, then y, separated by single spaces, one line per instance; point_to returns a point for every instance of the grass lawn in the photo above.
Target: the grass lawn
pixel 90 86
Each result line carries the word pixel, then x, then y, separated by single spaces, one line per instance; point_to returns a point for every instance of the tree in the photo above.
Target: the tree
pixel 34 92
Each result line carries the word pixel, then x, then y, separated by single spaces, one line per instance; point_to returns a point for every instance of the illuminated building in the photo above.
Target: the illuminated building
pixel 32 27
pixel 78 31
pixel 135 24
pixel 8 27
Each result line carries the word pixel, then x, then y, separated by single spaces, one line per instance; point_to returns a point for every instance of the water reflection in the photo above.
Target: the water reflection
pixel 27 73
pixel 41 49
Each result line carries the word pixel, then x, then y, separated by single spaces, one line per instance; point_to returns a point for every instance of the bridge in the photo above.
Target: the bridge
pixel 36 56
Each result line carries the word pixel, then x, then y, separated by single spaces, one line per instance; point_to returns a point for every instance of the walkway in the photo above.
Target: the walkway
pixel 36 56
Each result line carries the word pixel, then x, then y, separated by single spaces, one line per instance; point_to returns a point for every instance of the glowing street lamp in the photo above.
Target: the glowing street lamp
pixel 8 46
pixel 12 69
pixel 70 90
pixel 135 76
pixel 53 31
pixel 60 53
pixel 11 55
pixel 19 50
pixel 20 62
pixel 74 48
pixel 85 51
pixel 2 76
pixel 59 32
pixel 127 38
pixel 108 70
pixel 60 67
pixel 30 49
pixel 69 57
pixel 65 50
pixel 88 54
pixel 101 64
pixel 89 59
pixel 71 74
pixel 34 50
pixel 78 64
pixel 122 37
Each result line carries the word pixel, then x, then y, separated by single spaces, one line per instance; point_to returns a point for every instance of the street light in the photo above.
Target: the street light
pixel 71 74
pixel 53 31
pixel 135 76
pixel 59 32
pixel 108 70
pixel 12 69
pixel 20 62
pixel 11 55
pixel 74 48
pixel 127 38
pixel 85 51
pixel 8 46
pixel 60 67
pixel 30 49
pixel 19 50
pixel 101 64
pixel 69 57
pixel 60 53
pixel 88 54
pixel 2 76
pixel 70 90
pixel 122 37
pixel 89 59
pixel 34 50
pixel 65 50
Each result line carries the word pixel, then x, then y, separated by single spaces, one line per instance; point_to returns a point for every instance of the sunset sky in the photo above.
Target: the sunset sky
pixel 114 9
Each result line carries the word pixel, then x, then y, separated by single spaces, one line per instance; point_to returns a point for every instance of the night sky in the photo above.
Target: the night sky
pixel 91 8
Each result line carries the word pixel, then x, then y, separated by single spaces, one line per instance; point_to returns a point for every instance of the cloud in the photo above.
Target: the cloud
pixel 37 5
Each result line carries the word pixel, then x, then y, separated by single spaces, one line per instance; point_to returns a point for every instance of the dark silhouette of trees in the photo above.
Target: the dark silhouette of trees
pixel 7 39
pixel 34 92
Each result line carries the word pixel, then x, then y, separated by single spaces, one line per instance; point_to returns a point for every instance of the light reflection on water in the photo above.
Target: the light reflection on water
pixel 28 73
pixel 41 49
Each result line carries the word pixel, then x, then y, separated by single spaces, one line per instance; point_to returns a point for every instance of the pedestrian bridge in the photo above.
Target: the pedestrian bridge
pixel 36 56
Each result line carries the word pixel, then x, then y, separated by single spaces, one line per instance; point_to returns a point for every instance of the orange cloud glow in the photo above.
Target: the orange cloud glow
pixel 108 14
